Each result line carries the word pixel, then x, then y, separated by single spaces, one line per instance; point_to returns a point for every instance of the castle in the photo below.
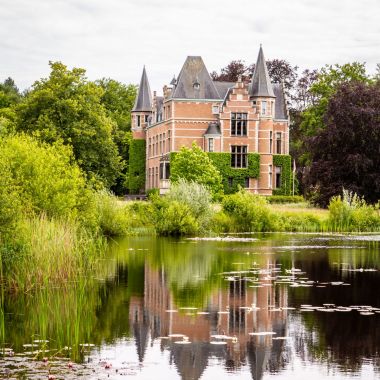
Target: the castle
pixel 244 127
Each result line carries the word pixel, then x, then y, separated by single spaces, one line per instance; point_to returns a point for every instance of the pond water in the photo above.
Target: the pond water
pixel 270 306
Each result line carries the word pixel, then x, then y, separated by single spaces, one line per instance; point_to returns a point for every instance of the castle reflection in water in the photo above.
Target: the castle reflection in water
pixel 228 312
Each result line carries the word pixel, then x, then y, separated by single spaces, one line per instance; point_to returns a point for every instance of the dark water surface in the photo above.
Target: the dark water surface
pixel 282 306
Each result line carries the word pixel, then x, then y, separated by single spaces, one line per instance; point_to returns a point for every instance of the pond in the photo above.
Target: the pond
pixel 269 306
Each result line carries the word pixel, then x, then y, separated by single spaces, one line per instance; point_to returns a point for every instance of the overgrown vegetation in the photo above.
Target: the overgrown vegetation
pixel 233 178
pixel 136 174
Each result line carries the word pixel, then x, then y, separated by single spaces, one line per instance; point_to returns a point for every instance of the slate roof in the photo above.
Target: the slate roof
pixel 281 110
pixel 213 129
pixel 194 71
pixel 260 83
pixel 143 99
pixel 223 87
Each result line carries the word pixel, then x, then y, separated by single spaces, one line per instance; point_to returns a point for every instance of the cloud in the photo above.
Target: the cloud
pixel 116 38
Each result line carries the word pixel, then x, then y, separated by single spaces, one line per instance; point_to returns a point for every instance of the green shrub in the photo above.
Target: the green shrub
pixel 174 218
pixel 285 199
pixel 152 192
pixel 250 212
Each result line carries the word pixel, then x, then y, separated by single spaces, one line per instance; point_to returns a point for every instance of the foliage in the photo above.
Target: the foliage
pixel 174 218
pixel 346 153
pixel 222 161
pixel 118 100
pixel 329 79
pixel 193 164
pixel 136 176
pixel 231 72
pixel 9 93
pixel 285 162
pixel 351 213
pixel 285 199
pixel 152 192
pixel 192 203
pixel 250 213
pixel 67 107
pixel 196 196
pixel 42 177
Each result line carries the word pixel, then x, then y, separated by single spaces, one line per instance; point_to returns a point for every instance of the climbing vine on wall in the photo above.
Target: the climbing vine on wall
pixel 233 177
pixel 284 161
pixel 136 172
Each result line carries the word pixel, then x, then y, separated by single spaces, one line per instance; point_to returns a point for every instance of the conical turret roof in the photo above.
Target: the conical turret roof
pixel 143 99
pixel 261 84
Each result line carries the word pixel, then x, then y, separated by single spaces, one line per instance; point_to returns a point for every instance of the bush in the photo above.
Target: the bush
pixel 174 218
pixel 351 213
pixel 249 212
pixel 285 199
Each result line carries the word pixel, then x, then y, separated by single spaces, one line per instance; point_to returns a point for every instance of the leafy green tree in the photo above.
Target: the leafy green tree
pixel 118 99
pixel 328 81
pixel 67 107
pixel 193 164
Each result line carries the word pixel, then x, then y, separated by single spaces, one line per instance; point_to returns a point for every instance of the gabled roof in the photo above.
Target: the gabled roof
pixel 194 81
pixel 223 87
pixel 143 99
pixel 281 109
pixel 261 84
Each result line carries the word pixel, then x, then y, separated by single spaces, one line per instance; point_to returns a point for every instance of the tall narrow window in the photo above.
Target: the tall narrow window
pixel 138 120
pixel 270 141
pixel 161 170
pixel 163 143
pixel 167 170
pixel 278 176
pixel 263 107
pixel 169 146
pixel 239 156
pixel 246 182
pixel 270 176
pixel 146 118
pixel 150 147
pixel 238 124
pixel 210 144
pixel 278 142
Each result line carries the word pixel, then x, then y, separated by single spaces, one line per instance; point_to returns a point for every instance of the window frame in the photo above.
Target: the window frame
pixel 239 124
pixel 239 156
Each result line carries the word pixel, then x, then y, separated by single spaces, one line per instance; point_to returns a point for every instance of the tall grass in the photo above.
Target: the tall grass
pixel 48 251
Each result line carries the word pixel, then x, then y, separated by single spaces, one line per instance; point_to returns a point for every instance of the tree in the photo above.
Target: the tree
pixel 67 107
pixel 9 93
pixel 231 72
pixel 118 99
pixel 193 164
pixel 346 153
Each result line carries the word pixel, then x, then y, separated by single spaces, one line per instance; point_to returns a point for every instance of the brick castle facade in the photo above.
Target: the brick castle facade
pixel 221 117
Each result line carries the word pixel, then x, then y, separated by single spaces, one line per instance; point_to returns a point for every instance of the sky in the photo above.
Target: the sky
pixel 116 38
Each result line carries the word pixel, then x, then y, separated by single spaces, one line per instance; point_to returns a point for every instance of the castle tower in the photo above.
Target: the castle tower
pixel 142 110
pixel 263 97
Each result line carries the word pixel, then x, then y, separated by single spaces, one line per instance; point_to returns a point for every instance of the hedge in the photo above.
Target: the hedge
pixel 136 173
pixel 285 199
pixel 285 162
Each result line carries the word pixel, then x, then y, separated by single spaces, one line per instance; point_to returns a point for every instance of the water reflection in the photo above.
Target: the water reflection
pixel 235 306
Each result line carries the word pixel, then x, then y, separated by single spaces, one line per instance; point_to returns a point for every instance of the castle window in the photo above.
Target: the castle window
pixel 215 110
pixel 138 121
pixel 263 107
pixel 278 176
pixel 270 141
pixel 238 124
pixel 246 182
pixel 150 147
pixel 146 118
pixel 239 156
pixel 270 176
pixel 278 142
pixel 211 145
pixel 163 144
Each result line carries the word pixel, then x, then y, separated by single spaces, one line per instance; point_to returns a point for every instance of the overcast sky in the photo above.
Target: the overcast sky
pixel 115 38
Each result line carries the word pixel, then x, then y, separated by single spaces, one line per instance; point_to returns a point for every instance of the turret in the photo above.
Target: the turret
pixel 260 89
pixel 142 110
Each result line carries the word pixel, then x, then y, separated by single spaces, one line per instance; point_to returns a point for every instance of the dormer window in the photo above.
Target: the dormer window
pixel 196 85
pixel 263 107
